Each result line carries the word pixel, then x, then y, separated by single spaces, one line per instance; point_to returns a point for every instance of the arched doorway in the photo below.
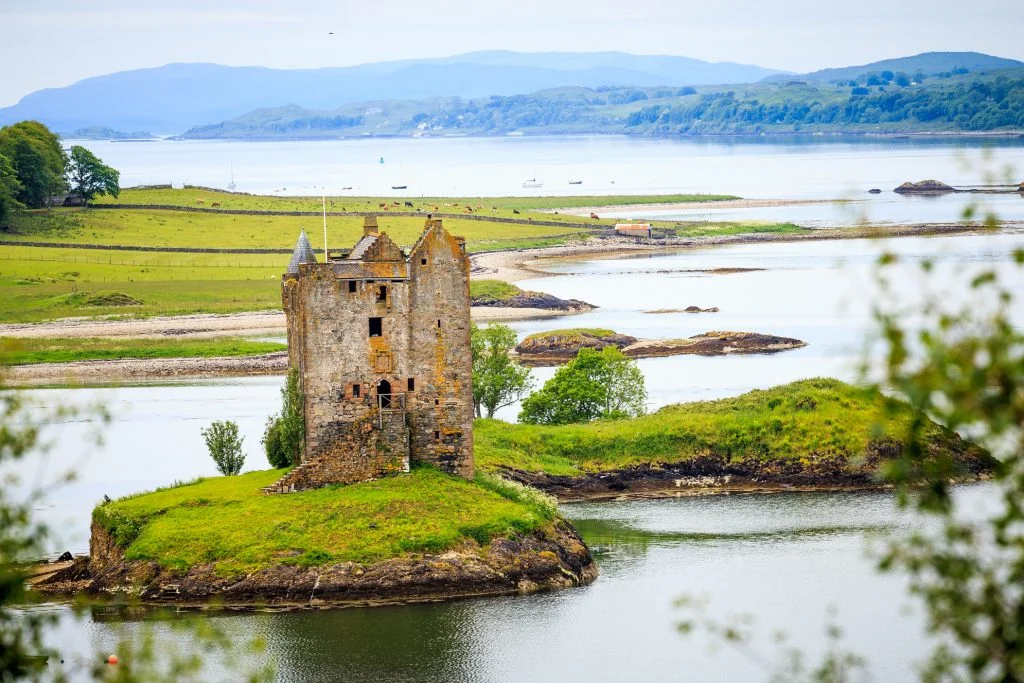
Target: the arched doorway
pixel 384 394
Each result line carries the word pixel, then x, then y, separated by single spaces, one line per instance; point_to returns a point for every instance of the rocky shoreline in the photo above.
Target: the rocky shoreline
pixel 561 346
pixel 547 559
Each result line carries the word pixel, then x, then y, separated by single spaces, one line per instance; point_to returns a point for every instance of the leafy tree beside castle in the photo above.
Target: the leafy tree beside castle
pixel 596 384
pixel 89 176
pixel 285 434
pixel 498 381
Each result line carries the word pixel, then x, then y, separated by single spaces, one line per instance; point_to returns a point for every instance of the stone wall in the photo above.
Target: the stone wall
pixel 422 352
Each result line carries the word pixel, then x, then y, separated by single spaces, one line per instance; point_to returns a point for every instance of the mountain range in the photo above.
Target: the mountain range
pixel 177 97
pixel 172 98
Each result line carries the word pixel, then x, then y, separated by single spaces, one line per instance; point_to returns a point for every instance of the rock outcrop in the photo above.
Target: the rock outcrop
pixel 555 557
pixel 925 187
pixel 562 346
pixel 538 300
pixel 713 344
pixel 555 348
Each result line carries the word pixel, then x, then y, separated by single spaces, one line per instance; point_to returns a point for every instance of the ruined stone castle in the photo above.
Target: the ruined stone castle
pixel 380 338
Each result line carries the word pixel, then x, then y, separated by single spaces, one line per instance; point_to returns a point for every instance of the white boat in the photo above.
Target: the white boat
pixel 531 182
pixel 231 185
pixel 575 182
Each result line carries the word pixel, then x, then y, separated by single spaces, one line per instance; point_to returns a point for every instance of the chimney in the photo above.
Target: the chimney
pixel 369 225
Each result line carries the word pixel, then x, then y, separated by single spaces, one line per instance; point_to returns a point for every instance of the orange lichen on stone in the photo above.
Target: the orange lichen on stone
pixel 397 327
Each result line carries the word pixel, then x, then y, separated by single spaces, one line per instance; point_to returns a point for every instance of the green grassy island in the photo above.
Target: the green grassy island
pixel 428 535
pixel 423 536
pixel 819 433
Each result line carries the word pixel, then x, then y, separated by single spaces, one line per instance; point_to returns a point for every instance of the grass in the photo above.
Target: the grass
pixel 719 229
pixel 43 283
pixel 227 200
pixel 808 426
pixel 498 290
pixel 229 522
pixel 60 350
pixel 572 333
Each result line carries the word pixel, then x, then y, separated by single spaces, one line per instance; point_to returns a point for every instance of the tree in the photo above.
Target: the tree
pixel 89 176
pixel 285 435
pixel 964 367
pixel 596 384
pixel 498 381
pixel 225 447
pixel 9 189
pixel 37 158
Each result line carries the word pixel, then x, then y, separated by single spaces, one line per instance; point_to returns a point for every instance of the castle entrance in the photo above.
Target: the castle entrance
pixel 384 394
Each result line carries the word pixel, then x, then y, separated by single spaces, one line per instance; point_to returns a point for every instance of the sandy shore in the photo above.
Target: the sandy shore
pixel 148 369
pixel 526 264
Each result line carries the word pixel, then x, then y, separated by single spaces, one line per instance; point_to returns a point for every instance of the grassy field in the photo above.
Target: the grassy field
pixel 230 522
pixel 572 334
pixel 58 350
pixel 228 200
pixel 43 283
pixel 499 290
pixel 811 426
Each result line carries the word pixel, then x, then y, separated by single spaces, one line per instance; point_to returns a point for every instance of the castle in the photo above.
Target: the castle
pixel 380 338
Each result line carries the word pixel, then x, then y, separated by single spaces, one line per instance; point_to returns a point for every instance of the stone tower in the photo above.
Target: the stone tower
pixel 381 341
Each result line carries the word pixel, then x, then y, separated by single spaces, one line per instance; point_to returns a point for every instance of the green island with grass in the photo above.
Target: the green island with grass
pixel 30 351
pixel 426 535
pixel 145 246
pixel 430 535
pixel 497 290
pixel 818 432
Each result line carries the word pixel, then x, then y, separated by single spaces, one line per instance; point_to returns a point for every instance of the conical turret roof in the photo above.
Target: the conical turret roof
pixel 303 254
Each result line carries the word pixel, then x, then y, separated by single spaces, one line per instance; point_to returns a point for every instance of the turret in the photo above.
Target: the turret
pixel 303 254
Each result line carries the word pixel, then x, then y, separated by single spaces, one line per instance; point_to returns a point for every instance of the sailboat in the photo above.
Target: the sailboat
pixel 531 182
pixel 231 185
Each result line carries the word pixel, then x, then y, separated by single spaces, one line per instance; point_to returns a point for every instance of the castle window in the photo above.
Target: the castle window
pixel 423 261
pixel 437 435
pixel 437 401
pixel 438 322
pixel 376 327
pixel 382 294
pixel 355 390
pixel 412 384
pixel 351 286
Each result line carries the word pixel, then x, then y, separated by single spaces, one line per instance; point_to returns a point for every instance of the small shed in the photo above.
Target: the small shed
pixel 633 230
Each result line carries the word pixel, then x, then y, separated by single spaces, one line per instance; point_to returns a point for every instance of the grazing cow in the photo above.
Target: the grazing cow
pixel 383 205
pixel 199 201
pixel 469 209
pixel 515 211
pixel 215 205
pixel 595 216
pixel 409 204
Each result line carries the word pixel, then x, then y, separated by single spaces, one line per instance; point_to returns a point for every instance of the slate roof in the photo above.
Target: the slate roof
pixel 303 254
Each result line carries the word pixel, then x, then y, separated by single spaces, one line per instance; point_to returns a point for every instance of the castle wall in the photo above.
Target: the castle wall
pixel 336 354
pixel 442 422
pixel 422 350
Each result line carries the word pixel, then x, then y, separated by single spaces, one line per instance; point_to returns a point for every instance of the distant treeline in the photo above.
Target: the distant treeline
pixel 980 105
pixel 886 102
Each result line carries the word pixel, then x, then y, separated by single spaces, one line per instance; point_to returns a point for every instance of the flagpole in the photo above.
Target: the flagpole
pixel 323 198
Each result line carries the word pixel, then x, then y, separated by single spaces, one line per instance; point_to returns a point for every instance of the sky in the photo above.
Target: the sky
pixel 58 42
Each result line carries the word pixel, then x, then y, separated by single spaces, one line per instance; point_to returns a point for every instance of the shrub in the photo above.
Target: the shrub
pixel 225 446
pixel 285 434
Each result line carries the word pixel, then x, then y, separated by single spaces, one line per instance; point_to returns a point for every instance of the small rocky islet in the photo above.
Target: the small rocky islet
pixel 560 346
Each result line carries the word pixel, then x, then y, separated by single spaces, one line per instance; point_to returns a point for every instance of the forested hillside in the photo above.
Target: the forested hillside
pixel 874 102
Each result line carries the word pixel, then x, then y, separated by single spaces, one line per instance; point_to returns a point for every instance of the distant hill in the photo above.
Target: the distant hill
pixel 928 63
pixel 172 98
pixel 951 103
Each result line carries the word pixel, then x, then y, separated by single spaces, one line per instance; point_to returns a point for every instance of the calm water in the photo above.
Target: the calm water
pixel 786 558
pixel 750 168
pixel 783 557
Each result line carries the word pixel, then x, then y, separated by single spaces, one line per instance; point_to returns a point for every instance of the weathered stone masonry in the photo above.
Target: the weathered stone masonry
pixel 381 341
